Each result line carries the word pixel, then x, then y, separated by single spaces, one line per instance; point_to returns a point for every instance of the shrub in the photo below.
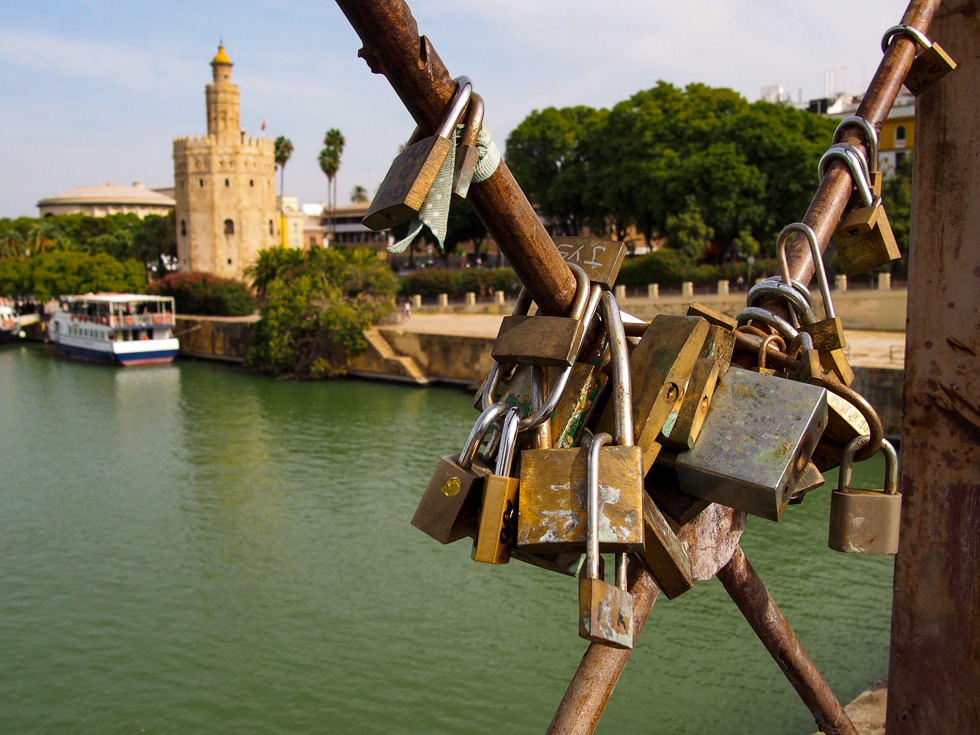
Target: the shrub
pixel 206 295
pixel 431 282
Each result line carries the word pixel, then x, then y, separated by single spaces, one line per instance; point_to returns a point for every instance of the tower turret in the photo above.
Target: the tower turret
pixel 222 99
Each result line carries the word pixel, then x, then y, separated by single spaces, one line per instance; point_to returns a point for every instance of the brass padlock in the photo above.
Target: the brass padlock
pixel 450 504
pixel 605 611
pixel 866 521
pixel 548 341
pixel 683 424
pixel 414 170
pixel 864 236
pixel 600 259
pixel 929 66
pixel 719 345
pixel 659 367
pixel 467 154
pixel 498 513
pixel 828 333
pixel 551 510
pixel 663 554
pixel 871 141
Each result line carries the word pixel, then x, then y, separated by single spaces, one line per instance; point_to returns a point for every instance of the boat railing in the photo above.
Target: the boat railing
pixel 159 319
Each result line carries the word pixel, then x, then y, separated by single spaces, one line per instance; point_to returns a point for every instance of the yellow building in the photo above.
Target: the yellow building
pixel 897 134
pixel 224 187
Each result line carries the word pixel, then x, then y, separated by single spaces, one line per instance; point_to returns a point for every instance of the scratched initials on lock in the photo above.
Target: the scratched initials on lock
pixel 601 259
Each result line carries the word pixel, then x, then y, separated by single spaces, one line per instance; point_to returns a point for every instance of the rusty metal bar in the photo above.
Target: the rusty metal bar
pixel 834 191
pixel 752 598
pixel 934 670
pixel 600 668
pixel 393 47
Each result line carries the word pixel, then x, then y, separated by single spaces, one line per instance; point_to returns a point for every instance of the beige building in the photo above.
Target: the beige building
pixel 100 201
pixel 224 187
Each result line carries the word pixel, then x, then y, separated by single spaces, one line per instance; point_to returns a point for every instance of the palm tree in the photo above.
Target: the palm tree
pixel 11 243
pixel 358 195
pixel 284 149
pixel 333 147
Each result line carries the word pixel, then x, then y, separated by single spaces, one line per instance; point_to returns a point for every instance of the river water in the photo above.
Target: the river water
pixel 198 549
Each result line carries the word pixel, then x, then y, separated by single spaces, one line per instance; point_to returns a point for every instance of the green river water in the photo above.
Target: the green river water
pixel 198 549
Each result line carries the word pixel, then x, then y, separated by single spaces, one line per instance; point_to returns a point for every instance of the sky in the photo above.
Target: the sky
pixel 95 91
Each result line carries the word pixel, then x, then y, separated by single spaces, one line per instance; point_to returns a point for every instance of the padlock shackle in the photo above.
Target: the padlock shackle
pixel 622 389
pixel 474 120
pixel 508 442
pixel 860 176
pixel 756 313
pixel 764 347
pixel 847 460
pixel 488 418
pixel 801 343
pixel 461 99
pixel 800 287
pixel 811 237
pixel 800 306
pixel 592 506
pixel 905 30
pixel 870 133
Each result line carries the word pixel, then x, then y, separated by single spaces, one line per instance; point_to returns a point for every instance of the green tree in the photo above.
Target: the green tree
pixel 58 272
pixel 270 264
pixel 687 232
pixel 358 195
pixel 283 150
pixel 154 243
pixel 314 316
pixel 329 159
pixel 547 154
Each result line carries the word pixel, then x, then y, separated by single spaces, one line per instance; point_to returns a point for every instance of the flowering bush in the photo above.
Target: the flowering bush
pixel 206 295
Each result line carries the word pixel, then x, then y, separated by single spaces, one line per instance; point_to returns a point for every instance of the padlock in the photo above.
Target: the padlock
pixel 864 237
pixel 467 154
pixel 605 610
pixel 712 316
pixel 659 367
pixel 683 424
pixel 929 66
pixel 450 504
pixel 414 170
pixel 827 333
pixel 866 521
pixel 551 511
pixel 548 341
pixel 764 351
pixel 719 345
pixel 600 259
pixel 809 369
pixel 662 485
pixel 755 443
pixel 811 479
pixel 498 513
pixel 663 554
pixel 871 142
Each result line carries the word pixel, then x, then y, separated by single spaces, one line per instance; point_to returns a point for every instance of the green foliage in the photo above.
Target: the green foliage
pixel 431 282
pixel 57 272
pixel 205 294
pixel 687 231
pixel 317 306
pixel 748 166
pixel 670 268
pixel 896 195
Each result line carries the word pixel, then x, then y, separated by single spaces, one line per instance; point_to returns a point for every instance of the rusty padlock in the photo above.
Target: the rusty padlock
pixel 931 65
pixel 866 521
pixel 414 170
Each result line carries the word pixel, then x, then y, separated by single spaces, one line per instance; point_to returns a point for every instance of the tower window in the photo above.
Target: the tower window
pixel 183 227
pixel 200 182
pixel 270 227
pixel 251 182
pixel 226 182
pixel 229 261
pixel 229 227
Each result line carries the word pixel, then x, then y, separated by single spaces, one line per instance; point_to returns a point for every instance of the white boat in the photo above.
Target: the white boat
pixel 118 328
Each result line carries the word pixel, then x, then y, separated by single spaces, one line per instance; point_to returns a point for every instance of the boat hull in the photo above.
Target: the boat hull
pixel 156 355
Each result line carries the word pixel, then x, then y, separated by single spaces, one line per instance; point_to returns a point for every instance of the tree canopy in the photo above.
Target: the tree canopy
pixel 748 167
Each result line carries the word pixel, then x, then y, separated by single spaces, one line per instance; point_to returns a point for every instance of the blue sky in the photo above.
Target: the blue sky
pixel 95 92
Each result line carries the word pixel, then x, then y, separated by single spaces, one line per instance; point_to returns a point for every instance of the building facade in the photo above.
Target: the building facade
pixel 224 187
pixel 100 201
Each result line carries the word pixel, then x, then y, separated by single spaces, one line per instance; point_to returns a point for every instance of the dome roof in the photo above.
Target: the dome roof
pixel 221 57
pixel 110 194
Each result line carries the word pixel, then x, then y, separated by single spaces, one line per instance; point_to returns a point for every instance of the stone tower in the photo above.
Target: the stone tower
pixel 224 187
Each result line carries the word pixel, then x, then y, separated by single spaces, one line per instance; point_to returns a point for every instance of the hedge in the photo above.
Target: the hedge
pixel 206 295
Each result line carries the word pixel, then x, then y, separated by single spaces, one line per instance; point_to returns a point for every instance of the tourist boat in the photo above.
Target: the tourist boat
pixel 118 328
